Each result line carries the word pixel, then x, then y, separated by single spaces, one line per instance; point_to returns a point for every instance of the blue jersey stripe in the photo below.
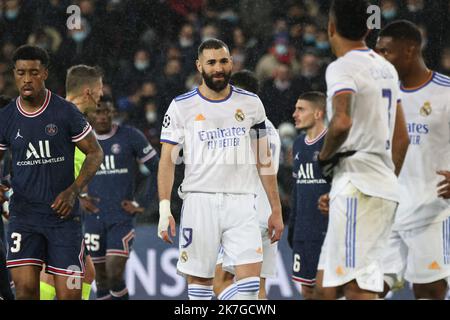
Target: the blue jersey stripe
pixel 443 84
pixel 186 94
pixel 186 97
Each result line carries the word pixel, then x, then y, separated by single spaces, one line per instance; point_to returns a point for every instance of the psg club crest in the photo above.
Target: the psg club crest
pixel 426 109
pixel 239 115
pixel 51 129
pixel 316 155
pixel 115 148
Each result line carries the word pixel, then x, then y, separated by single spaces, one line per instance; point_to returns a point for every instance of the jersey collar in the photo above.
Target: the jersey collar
pixel 39 111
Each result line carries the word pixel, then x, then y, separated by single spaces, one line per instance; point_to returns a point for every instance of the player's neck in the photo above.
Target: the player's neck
pixel 78 101
pixel 214 95
pixel 344 46
pixel 418 75
pixel 314 132
pixel 32 105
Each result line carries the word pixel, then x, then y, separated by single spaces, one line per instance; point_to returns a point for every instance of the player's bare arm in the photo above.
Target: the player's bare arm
pixel 166 173
pixel 400 140
pixel 266 172
pixel 64 202
pixel 339 127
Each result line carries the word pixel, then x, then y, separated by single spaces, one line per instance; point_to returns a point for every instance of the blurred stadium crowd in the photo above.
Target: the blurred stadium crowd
pixel 147 49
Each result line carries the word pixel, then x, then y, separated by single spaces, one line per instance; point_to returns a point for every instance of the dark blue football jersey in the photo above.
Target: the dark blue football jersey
pixel 309 185
pixel 42 145
pixel 115 180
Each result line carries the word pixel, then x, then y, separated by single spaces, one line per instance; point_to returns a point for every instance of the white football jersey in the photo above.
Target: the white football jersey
pixel 375 84
pixel 427 113
pixel 263 207
pixel 216 140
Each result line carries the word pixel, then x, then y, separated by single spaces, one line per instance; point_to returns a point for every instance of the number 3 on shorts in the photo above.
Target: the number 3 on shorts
pixel 17 237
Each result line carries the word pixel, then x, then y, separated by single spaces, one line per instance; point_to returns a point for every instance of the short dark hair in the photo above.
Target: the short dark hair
pixel 245 79
pixel 316 97
pixel 350 17
pixel 80 75
pixel 211 44
pixel 402 30
pixel 27 52
pixel 4 100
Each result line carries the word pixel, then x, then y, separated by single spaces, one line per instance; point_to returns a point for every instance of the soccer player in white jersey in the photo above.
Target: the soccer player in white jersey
pixel 223 284
pixel 212 124
pixel 419 247
pixel 363 101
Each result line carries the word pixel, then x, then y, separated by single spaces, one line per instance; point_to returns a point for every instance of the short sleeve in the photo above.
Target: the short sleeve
pixel 79 128
pixel 339 79
pixel 172 127
pixel 260 113
pixel 142 149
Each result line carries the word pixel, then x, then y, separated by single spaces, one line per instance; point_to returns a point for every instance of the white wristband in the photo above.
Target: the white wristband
pixel 164 208
pixel 164 215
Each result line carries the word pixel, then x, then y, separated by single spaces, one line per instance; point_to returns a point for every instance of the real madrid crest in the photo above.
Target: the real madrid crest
pixel 184 256
pixel 425 110
pixel 239 115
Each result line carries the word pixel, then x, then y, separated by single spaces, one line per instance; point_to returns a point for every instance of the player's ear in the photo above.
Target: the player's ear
pixel 331 27
pixel 199 66
pixel 45 74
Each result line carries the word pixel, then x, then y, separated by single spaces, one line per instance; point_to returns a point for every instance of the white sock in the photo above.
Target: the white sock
pixel 228 293
pixel 200 292
pixel 248 289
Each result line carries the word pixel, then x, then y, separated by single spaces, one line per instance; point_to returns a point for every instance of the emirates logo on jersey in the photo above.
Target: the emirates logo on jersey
pixel 425 110
pixel 239 115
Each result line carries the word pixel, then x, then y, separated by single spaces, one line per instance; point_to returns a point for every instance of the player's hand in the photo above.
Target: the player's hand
pixel 166 220
pixel 88 203
pixel 275 225
pixel 3 190
pixel 444 185
pixel 5 214
pixel 131 207
pixel 65 201
pixel 328 165
pixel 324 203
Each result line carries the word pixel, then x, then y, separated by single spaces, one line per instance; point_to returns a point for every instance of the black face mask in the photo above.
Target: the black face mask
pixel 216 85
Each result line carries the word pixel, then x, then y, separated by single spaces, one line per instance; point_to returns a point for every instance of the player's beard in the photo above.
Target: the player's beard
pixel 216 85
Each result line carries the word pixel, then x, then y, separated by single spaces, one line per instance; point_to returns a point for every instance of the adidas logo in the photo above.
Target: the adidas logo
pixel 199 117
pixel 434 266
